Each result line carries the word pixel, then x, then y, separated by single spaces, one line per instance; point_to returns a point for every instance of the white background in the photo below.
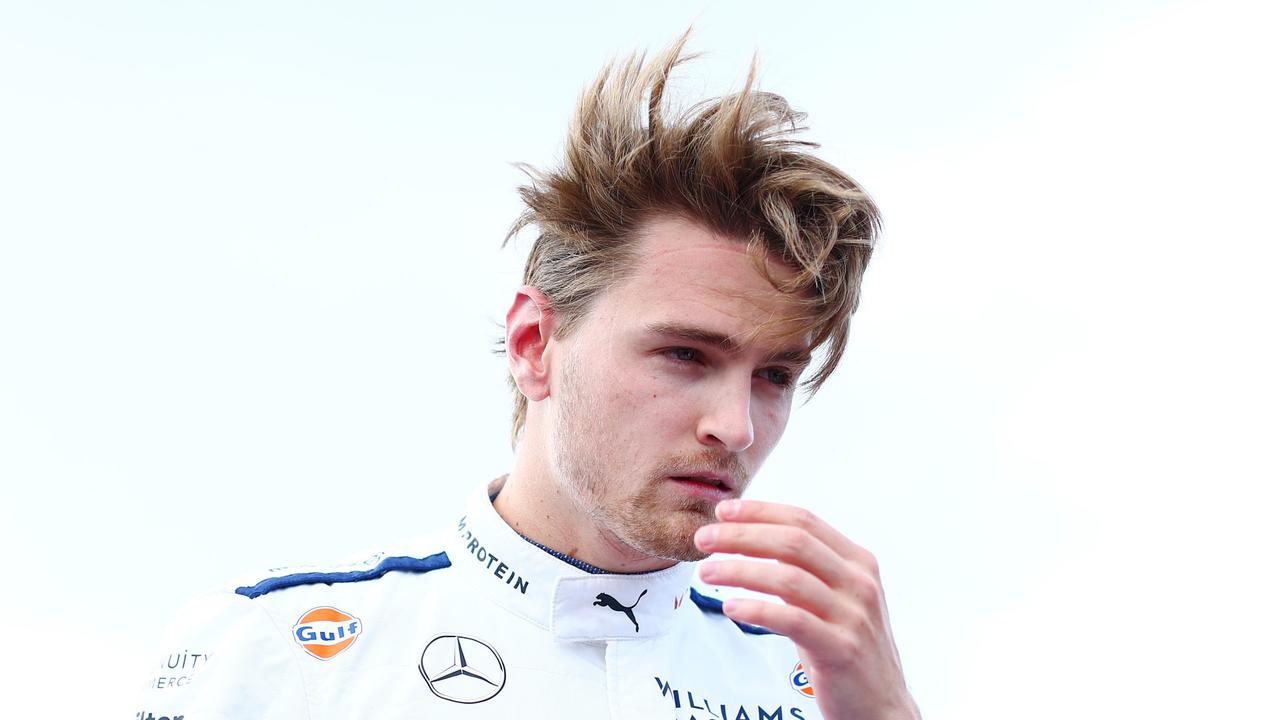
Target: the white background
pixel 250 278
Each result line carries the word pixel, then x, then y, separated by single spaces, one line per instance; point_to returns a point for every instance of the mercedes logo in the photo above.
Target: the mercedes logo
pixel 462 669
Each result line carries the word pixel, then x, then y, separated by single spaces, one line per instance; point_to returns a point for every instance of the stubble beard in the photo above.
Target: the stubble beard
pixel 640 513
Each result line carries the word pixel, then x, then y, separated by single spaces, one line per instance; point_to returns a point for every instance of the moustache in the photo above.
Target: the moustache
pixel 707 460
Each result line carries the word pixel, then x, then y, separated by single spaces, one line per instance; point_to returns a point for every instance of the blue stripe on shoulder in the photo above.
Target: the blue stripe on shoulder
pixel 390 564
pixel 714 605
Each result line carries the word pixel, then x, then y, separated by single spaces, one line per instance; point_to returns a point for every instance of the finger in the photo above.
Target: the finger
pixel 785 543
pixel 794 585
pixel 802 626
pixel 759 511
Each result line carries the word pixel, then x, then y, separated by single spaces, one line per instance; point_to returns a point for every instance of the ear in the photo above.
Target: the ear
pixel 530 322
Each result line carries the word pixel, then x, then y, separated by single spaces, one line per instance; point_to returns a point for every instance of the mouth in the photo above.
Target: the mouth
pixel 710 481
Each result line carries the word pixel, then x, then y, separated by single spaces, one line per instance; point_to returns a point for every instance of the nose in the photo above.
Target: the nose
pixel 726 422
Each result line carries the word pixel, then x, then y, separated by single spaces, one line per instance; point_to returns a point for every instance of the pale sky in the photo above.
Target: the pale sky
pixel 250 279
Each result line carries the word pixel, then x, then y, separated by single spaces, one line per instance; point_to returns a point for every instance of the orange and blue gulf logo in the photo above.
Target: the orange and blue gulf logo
pixel 800 681
pixel 326 631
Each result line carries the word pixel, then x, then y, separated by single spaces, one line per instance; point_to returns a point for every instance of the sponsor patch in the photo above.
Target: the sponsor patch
pixel 326 631
pixel 605 600
pixel 800 681
pixel 462 669
pixel 178 668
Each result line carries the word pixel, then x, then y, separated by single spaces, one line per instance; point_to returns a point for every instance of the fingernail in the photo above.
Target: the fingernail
pixel 730 605
pixel 709 570
pixel 729 508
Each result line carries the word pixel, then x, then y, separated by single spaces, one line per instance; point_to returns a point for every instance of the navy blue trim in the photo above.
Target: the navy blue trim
pixel 584 566
pixel 715 605
pixel 390 564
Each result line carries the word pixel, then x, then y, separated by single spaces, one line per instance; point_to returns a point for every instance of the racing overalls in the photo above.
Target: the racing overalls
pixel 476 623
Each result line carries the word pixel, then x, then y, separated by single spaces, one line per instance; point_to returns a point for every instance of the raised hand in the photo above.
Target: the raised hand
pixel 834 607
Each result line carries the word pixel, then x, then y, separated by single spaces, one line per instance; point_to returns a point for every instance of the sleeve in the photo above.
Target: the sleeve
pixel 223 658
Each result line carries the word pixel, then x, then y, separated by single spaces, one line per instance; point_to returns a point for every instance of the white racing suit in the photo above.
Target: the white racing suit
pixel 480 623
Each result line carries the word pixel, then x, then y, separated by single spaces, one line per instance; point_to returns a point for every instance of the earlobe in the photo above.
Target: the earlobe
pixel 530 323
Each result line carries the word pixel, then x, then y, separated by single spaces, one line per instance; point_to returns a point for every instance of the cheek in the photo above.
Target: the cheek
pixel 650 406
pixel 769 419
pixel 627 399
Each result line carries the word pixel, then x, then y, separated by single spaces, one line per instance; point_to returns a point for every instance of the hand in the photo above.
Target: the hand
pixel 835 610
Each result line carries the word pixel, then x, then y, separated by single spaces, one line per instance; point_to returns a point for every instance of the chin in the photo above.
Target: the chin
pixel 669 535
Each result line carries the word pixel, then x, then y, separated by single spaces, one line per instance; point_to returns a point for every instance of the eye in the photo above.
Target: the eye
pixel 682 354
pixel 778 376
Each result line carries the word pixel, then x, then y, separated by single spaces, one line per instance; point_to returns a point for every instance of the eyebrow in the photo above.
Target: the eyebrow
pixel 687 333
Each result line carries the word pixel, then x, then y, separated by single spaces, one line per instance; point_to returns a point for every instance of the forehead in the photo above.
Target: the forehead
pixel 686 274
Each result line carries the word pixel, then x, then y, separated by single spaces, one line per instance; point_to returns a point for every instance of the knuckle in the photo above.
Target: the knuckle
pixel 871 563
pixel 810 626
pixel 867 582
pixel 795 541
pixel 806 519
pixel 794 578
pixel 866 587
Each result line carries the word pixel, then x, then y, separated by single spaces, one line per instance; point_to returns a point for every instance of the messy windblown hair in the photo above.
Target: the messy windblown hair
pixel 730 164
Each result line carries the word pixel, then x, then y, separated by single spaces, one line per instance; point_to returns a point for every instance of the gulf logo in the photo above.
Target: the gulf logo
pixel 326 631
pixel 800 681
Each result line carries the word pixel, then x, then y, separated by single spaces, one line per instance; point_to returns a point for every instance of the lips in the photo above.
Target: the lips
pixel 713 480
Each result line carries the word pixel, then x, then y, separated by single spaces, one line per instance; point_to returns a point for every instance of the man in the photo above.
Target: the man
pixel 686 270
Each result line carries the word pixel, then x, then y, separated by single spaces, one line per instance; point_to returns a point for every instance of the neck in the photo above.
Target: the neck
pixel 536 506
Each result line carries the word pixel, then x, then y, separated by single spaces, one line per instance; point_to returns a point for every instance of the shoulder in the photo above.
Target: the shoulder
pixel 287 603
pixel 381 582
pixel 239 645
pixel 268 601
pixel 412 557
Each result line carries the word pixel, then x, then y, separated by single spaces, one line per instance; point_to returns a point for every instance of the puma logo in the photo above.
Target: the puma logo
pixel 607 600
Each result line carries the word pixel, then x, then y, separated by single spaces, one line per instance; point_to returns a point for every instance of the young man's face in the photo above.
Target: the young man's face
pixel 654 419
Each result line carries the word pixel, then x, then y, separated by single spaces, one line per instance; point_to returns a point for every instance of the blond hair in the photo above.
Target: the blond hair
pixel 731 164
